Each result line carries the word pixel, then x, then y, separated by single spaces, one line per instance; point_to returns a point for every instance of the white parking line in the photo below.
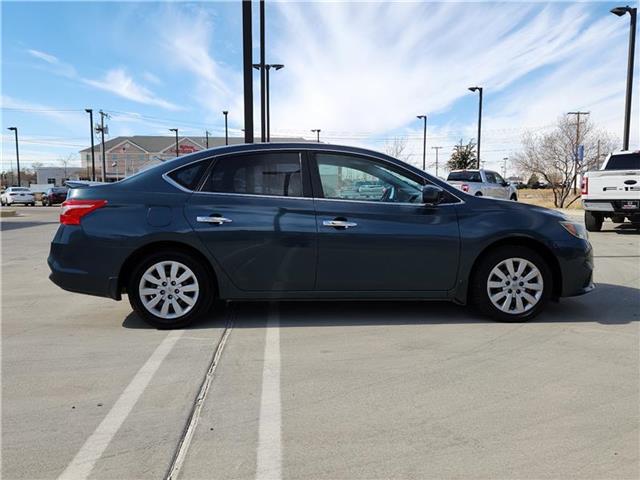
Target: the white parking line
pixel 269 462
pixel 84 461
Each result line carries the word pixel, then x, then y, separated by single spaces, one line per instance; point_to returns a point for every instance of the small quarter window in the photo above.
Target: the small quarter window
pixel 190 175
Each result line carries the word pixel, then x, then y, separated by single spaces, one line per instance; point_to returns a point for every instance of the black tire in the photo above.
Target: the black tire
pixel 478 194
pixel 479 291
pixel 514 197
pixel 593 221
pixel 205 283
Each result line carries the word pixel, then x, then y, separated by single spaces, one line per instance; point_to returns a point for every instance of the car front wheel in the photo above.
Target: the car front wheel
pixel 511 284
pixel 170 289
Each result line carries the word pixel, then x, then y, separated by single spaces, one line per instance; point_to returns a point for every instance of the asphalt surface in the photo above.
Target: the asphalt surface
pixel 318 390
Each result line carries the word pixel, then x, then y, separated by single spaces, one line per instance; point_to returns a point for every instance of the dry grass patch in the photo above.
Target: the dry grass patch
pixel 544 198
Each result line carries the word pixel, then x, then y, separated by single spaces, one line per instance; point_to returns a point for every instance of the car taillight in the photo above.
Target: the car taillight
pixel 73 210
pixel 465 187
pixel 585 186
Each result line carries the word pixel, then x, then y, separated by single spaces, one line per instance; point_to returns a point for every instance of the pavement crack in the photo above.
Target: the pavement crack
pixel 180 453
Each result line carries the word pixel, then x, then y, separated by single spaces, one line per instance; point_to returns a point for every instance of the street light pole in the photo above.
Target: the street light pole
pixel 247 53
pixel 424 143
pixel 15 131
pixel 633 12
pixel 226 127
pixel 206 136
pixel 436 149
pixel 263 126
pixel 317 132
pixel 504 167
pixel 176 132
pixel 93 155
pixel 479 90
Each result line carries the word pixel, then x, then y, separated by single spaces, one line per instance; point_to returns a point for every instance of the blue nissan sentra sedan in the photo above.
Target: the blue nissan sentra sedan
pixel 310 221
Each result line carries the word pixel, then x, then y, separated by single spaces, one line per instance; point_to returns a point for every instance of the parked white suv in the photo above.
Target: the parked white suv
pixel 14 195
pixel 613 191
pixel 482 183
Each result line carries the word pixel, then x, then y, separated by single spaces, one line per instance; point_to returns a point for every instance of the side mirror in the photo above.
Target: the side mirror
pixel 432 195
pixel 505 184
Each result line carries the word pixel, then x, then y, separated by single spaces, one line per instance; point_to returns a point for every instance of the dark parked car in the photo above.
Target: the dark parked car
pixel 53 196
pixel 269 221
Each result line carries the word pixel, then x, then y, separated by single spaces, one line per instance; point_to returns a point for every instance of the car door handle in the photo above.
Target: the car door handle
pixel 212 219
pixel 338 223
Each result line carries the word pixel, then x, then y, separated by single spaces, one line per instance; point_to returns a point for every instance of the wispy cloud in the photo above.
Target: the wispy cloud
pixel 119 82
pixel 54 64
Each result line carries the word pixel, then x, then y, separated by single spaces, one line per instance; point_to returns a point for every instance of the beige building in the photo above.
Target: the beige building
pixel 125 156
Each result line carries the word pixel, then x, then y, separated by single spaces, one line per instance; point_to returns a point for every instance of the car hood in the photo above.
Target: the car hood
pixel 524 208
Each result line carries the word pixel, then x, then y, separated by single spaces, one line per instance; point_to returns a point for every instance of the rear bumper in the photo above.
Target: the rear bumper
pixel 81 265
pixel 611 206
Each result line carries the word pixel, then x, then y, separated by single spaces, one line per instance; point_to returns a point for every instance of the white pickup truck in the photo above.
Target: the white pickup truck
pixel 482 183
pixel 613 191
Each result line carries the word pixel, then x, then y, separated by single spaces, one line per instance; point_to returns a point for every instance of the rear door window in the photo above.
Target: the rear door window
pixel 274 174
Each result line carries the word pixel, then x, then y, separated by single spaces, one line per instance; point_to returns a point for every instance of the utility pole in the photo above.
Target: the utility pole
pixel 575 164
pixel 15 131
pixel 247 48
pixel 436 149
pixel 263 77
pixel 93 155
pixel 104 158
pixel 317 132
pixel 226 127
pixel 424 142
pixel 206 136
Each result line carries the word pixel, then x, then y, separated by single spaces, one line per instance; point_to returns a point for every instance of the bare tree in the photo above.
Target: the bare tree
pixel 396 148
pixel 553 155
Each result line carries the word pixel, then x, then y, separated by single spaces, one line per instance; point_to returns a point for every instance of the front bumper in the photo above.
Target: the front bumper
pixel 575 259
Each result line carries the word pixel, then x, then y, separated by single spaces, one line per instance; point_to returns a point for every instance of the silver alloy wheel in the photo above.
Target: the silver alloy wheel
pixel 515 286
pixel 168 289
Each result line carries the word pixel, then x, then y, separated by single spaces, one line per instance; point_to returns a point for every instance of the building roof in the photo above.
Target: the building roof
pixel 159 143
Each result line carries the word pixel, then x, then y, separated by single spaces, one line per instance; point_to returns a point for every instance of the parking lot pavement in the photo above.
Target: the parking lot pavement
pixel 320 390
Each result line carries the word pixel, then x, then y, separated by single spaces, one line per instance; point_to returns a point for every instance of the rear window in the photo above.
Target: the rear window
pixel 624 161
pixel 20 190
pixel 190 175
pixel 464 177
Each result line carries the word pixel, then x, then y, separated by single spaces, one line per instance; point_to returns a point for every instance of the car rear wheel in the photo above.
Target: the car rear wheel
pixel 511 284
pixel 593 221
pixel 170 289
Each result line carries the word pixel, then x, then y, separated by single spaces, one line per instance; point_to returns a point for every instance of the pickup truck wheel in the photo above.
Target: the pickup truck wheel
pixel 511 284
pixel 170 289
pixel 514 197
pixel 618 219
pixel 593 221
pixel 478 194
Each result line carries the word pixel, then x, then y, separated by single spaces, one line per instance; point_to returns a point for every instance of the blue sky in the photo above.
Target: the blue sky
pixel 359 71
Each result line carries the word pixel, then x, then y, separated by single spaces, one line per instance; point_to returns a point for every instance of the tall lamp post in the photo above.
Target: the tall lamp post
pixel 424 143
pixel 479 90
pixel 15 131
pixel 226 127
pixel 93 154
pixel 633 12
pixel 176 132
pixel 317 132
pixel 101 129
pixel 267 68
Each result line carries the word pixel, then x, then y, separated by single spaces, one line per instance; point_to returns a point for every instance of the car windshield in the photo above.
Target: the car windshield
pixel 624 161
pixel 464 176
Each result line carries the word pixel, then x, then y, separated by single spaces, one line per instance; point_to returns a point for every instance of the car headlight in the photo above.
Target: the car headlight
pixel 576 229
